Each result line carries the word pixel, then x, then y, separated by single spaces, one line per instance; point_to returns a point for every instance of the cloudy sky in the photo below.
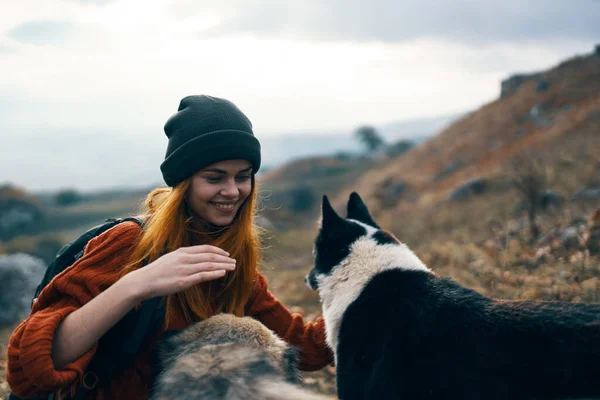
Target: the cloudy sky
pixel 313 65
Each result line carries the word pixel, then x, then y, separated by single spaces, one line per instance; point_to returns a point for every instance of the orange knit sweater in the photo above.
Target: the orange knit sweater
pixel 31 372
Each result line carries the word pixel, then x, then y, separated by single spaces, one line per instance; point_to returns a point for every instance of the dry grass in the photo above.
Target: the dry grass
pixel 481 242
pixel 4 335
pixel 495 259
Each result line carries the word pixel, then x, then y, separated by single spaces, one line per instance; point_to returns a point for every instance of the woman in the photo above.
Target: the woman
pixel 202 249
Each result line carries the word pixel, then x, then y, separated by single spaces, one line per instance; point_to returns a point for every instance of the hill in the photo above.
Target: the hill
pixel 546 114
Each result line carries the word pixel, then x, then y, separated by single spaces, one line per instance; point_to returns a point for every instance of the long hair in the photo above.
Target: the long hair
pixel 169 226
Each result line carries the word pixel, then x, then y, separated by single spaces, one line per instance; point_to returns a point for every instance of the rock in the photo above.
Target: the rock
pixel 447 171
pixel 571 239
pixel 472 187
pixel 550 199
pixel 390 192
pixel 543 255
pixel 20 275
pixel 542 85
pixel 540 116
pixel 18 212
pixel 588 194
pixel 512 84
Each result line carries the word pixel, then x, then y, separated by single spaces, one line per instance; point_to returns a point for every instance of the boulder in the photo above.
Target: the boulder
pixel 512 84
pixel 549 199
pixel 542 85
pixel 588 194
pixel 18 212
pixel 570 238
pixel 20 275
pixel 447 171
pixel 472 187
pixel 390 192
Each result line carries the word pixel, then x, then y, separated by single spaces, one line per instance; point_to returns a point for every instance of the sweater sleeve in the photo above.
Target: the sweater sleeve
pixel 30 370
pixel 308 338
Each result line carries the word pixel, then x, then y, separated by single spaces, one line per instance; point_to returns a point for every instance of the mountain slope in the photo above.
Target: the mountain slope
pixel 545 111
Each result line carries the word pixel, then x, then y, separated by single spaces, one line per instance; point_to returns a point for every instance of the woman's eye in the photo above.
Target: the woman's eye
pixel 243 178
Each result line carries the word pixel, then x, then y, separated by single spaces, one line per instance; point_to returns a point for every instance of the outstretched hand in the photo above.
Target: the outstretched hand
pixel 180 269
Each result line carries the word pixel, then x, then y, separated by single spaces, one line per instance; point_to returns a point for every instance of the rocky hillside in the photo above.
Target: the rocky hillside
pixel 553 114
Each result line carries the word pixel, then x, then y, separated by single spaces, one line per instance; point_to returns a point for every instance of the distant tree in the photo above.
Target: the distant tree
pixel 67 197
pixel 530 178
pixel 303 198
pixel 370 138
pixel 399 147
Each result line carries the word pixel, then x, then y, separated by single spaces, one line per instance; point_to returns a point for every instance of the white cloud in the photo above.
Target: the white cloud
pixel 124 65
pixel 129 62
pixel 465 21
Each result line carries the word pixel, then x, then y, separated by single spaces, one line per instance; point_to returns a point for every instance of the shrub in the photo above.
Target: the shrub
pixel 302 198
pixel 67 197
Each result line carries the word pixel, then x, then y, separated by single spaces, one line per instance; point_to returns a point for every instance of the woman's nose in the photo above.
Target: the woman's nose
pixel 230 189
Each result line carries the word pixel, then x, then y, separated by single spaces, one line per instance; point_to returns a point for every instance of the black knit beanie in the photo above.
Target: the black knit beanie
pixel 203 131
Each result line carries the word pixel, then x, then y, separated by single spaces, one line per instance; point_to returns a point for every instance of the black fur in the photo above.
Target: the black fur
pixel 412 335
pixel 333 242
pixel 358 210
pixel 415 336
pixel 382 237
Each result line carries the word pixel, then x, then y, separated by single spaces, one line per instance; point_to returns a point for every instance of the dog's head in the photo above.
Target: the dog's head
pixel 337 236
pixel 356 242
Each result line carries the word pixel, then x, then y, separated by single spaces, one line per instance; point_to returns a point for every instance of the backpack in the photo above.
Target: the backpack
pixel 122 342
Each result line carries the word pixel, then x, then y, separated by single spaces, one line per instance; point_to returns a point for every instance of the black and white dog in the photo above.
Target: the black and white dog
pixel 400 332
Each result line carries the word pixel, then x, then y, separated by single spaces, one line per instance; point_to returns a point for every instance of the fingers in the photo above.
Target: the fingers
pixel 196 258
pixel 206 276
pixel 205 248
pixel 212 266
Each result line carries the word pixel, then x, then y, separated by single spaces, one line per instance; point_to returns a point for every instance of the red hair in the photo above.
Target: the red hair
pixel 169 227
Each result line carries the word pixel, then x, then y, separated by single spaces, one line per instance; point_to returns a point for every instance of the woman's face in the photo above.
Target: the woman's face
pixel 218 191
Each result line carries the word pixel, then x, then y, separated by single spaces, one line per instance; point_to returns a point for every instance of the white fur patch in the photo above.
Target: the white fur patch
pixel 370 230
pixel 347 280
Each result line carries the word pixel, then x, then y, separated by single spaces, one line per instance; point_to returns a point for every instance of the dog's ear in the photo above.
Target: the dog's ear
pixel 357 210
pixel 329 217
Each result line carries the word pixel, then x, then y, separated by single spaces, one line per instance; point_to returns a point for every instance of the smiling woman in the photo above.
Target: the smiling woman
pixel 216 193
pixel 202 251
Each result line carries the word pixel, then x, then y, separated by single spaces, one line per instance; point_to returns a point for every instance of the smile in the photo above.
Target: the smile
pixel 223 206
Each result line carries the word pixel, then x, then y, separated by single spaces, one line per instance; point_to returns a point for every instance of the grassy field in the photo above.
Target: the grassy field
pixel 482 243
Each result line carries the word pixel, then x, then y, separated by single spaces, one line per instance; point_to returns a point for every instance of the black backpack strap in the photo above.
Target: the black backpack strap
pixel 117 352
pixel 113 359
pixel 73 251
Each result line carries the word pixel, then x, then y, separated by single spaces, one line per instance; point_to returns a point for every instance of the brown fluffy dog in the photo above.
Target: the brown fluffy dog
pixel 227 357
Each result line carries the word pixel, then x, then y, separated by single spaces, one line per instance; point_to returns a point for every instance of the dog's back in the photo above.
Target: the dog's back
pixel 226 357
pixel 419 336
